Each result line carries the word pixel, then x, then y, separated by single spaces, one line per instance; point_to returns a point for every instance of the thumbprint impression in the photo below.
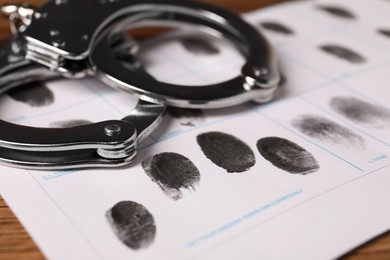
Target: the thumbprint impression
pixel 132 223
pixel 287 155
pixel 172 172
pixel 226 151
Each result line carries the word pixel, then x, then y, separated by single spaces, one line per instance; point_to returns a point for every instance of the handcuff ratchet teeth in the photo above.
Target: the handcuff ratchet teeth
pixel 58 40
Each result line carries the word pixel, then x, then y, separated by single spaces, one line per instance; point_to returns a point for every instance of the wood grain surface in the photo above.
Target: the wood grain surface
pixel 15 243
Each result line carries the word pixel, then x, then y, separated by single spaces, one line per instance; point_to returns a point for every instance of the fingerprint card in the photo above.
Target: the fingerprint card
pixel 304 176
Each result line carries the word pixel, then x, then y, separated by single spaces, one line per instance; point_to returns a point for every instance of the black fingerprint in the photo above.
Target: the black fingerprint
pixel 226 151
pixel 384 32
pixel 197 46
pixel 35 94
pixel 361 112
pixel 287 155
pixel 132 223
pixel 187 117
pixel 325 130
pixel 69 123
pixel 172 172
pixel 343 53
pixel 277 27
pixel 337 11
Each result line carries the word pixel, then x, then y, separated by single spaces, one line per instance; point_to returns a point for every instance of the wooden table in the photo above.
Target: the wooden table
pixel 15 243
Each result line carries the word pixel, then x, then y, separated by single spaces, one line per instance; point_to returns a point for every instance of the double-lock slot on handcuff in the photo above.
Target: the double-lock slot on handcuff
pixel 59 39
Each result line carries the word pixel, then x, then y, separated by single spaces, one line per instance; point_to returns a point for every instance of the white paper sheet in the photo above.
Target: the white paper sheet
pixel 333 61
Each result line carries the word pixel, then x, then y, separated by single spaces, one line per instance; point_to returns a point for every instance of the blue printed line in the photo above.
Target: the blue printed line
pixel 102 95
pixel 72 222
pixel 153 138
pixel 305 65
pixel 241 219
pixel 369 68
pixel 310 36
pixel 58 174
pixel 90 86
pixel 22 118
pixel 181 65
pixel 358 93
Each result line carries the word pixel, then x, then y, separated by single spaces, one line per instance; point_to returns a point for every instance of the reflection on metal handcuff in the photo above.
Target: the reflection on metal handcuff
pixel 58 40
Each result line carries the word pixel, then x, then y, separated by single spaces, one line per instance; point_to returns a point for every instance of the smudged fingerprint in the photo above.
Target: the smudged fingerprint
pixel 226 151
pixel 199 47
pixel 325 130
pixel 187 117
pixel 35 94
pixel 343 53
pixel 384 32
pixel 69 123
pixel 361 112
pixel 287 155
pixel 172 172
pixel 132 223
pixel 337 11
pixel 277 28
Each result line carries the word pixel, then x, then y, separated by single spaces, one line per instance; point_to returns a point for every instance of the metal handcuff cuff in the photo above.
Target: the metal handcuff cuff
pixel 57 40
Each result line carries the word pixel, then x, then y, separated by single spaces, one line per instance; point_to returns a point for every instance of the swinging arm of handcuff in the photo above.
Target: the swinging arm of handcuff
pixel 56 40
pixel 63 40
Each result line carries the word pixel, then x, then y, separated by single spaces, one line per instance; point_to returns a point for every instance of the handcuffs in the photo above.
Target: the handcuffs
pixel 58 40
